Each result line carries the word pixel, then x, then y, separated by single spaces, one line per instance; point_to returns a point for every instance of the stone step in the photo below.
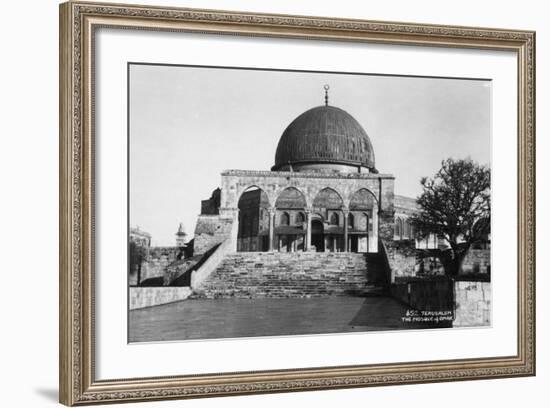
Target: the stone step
pixel 263 274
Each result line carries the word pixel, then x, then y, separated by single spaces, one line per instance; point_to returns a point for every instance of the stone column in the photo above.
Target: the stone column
pixel 308 229
pixel 374 244
pixel 232 213
pixel 346 213
pixel 271 228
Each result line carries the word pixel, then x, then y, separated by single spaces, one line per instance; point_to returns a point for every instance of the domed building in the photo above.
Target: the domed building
pixel 323 193
pixel 322 221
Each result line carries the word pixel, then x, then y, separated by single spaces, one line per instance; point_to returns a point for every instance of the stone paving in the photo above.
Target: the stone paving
pixel 230 318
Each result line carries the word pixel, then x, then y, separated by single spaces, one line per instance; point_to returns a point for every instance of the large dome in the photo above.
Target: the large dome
pixel 324 137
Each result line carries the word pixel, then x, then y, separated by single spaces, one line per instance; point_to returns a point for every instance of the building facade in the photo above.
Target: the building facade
pixel 323 193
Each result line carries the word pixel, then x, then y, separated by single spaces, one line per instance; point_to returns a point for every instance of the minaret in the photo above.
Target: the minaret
pixel 180 236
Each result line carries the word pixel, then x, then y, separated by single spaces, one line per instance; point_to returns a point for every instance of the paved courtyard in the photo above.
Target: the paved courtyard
pixel 226 318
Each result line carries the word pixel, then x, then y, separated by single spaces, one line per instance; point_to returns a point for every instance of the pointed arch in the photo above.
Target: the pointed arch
pixel 291 198
pixel 253 219
pixel 256 192
pixel 328 198
pixel 362 199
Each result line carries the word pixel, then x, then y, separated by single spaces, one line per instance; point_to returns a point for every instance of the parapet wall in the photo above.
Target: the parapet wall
pixel 425 294
pixel 141 297
pixel 470 301
pixel 401 258
pixel 158 259
pixel 473 302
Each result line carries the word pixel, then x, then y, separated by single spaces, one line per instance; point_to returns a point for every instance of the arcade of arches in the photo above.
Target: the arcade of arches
pixel 328 224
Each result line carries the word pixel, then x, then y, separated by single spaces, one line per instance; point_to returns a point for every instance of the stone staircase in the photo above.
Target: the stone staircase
pixel 297 274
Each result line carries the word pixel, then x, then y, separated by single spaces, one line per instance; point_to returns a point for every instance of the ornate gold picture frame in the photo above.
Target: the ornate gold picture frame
pixel 78 24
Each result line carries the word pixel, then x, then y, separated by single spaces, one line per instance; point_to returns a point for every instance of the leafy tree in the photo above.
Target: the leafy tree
pixel 138 254
pixel 451 203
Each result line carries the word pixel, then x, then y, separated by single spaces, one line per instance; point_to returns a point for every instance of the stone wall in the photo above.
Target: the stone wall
pixel 158 258
pixel 211 206
pixel 300 274
pixel 473 304
pixel 174 271
pixel 273 183
pixel 385 226
pixel 156 261
pixel 425 294
pixel 209 262
pixel 153 296
pixel 401 258
pixel 210 231
pixel 470 301
pixel 403 262
pixel 477 261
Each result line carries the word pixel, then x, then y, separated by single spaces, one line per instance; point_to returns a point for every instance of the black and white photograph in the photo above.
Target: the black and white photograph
pixel 252 204
pixel 273 203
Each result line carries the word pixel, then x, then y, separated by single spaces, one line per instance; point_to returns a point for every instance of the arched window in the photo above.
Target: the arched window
pixel 398 229
pixel 406 230
pixel 285 218
pixel 351 220
pixel 334 219
pixel 411 231
pixel 300 218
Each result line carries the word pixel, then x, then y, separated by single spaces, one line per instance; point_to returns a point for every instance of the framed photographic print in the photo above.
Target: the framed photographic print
pixel 261 203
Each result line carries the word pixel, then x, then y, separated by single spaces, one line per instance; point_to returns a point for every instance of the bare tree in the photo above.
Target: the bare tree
pixel 451 203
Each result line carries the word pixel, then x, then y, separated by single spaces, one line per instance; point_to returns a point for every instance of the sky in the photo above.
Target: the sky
pixel 188 124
